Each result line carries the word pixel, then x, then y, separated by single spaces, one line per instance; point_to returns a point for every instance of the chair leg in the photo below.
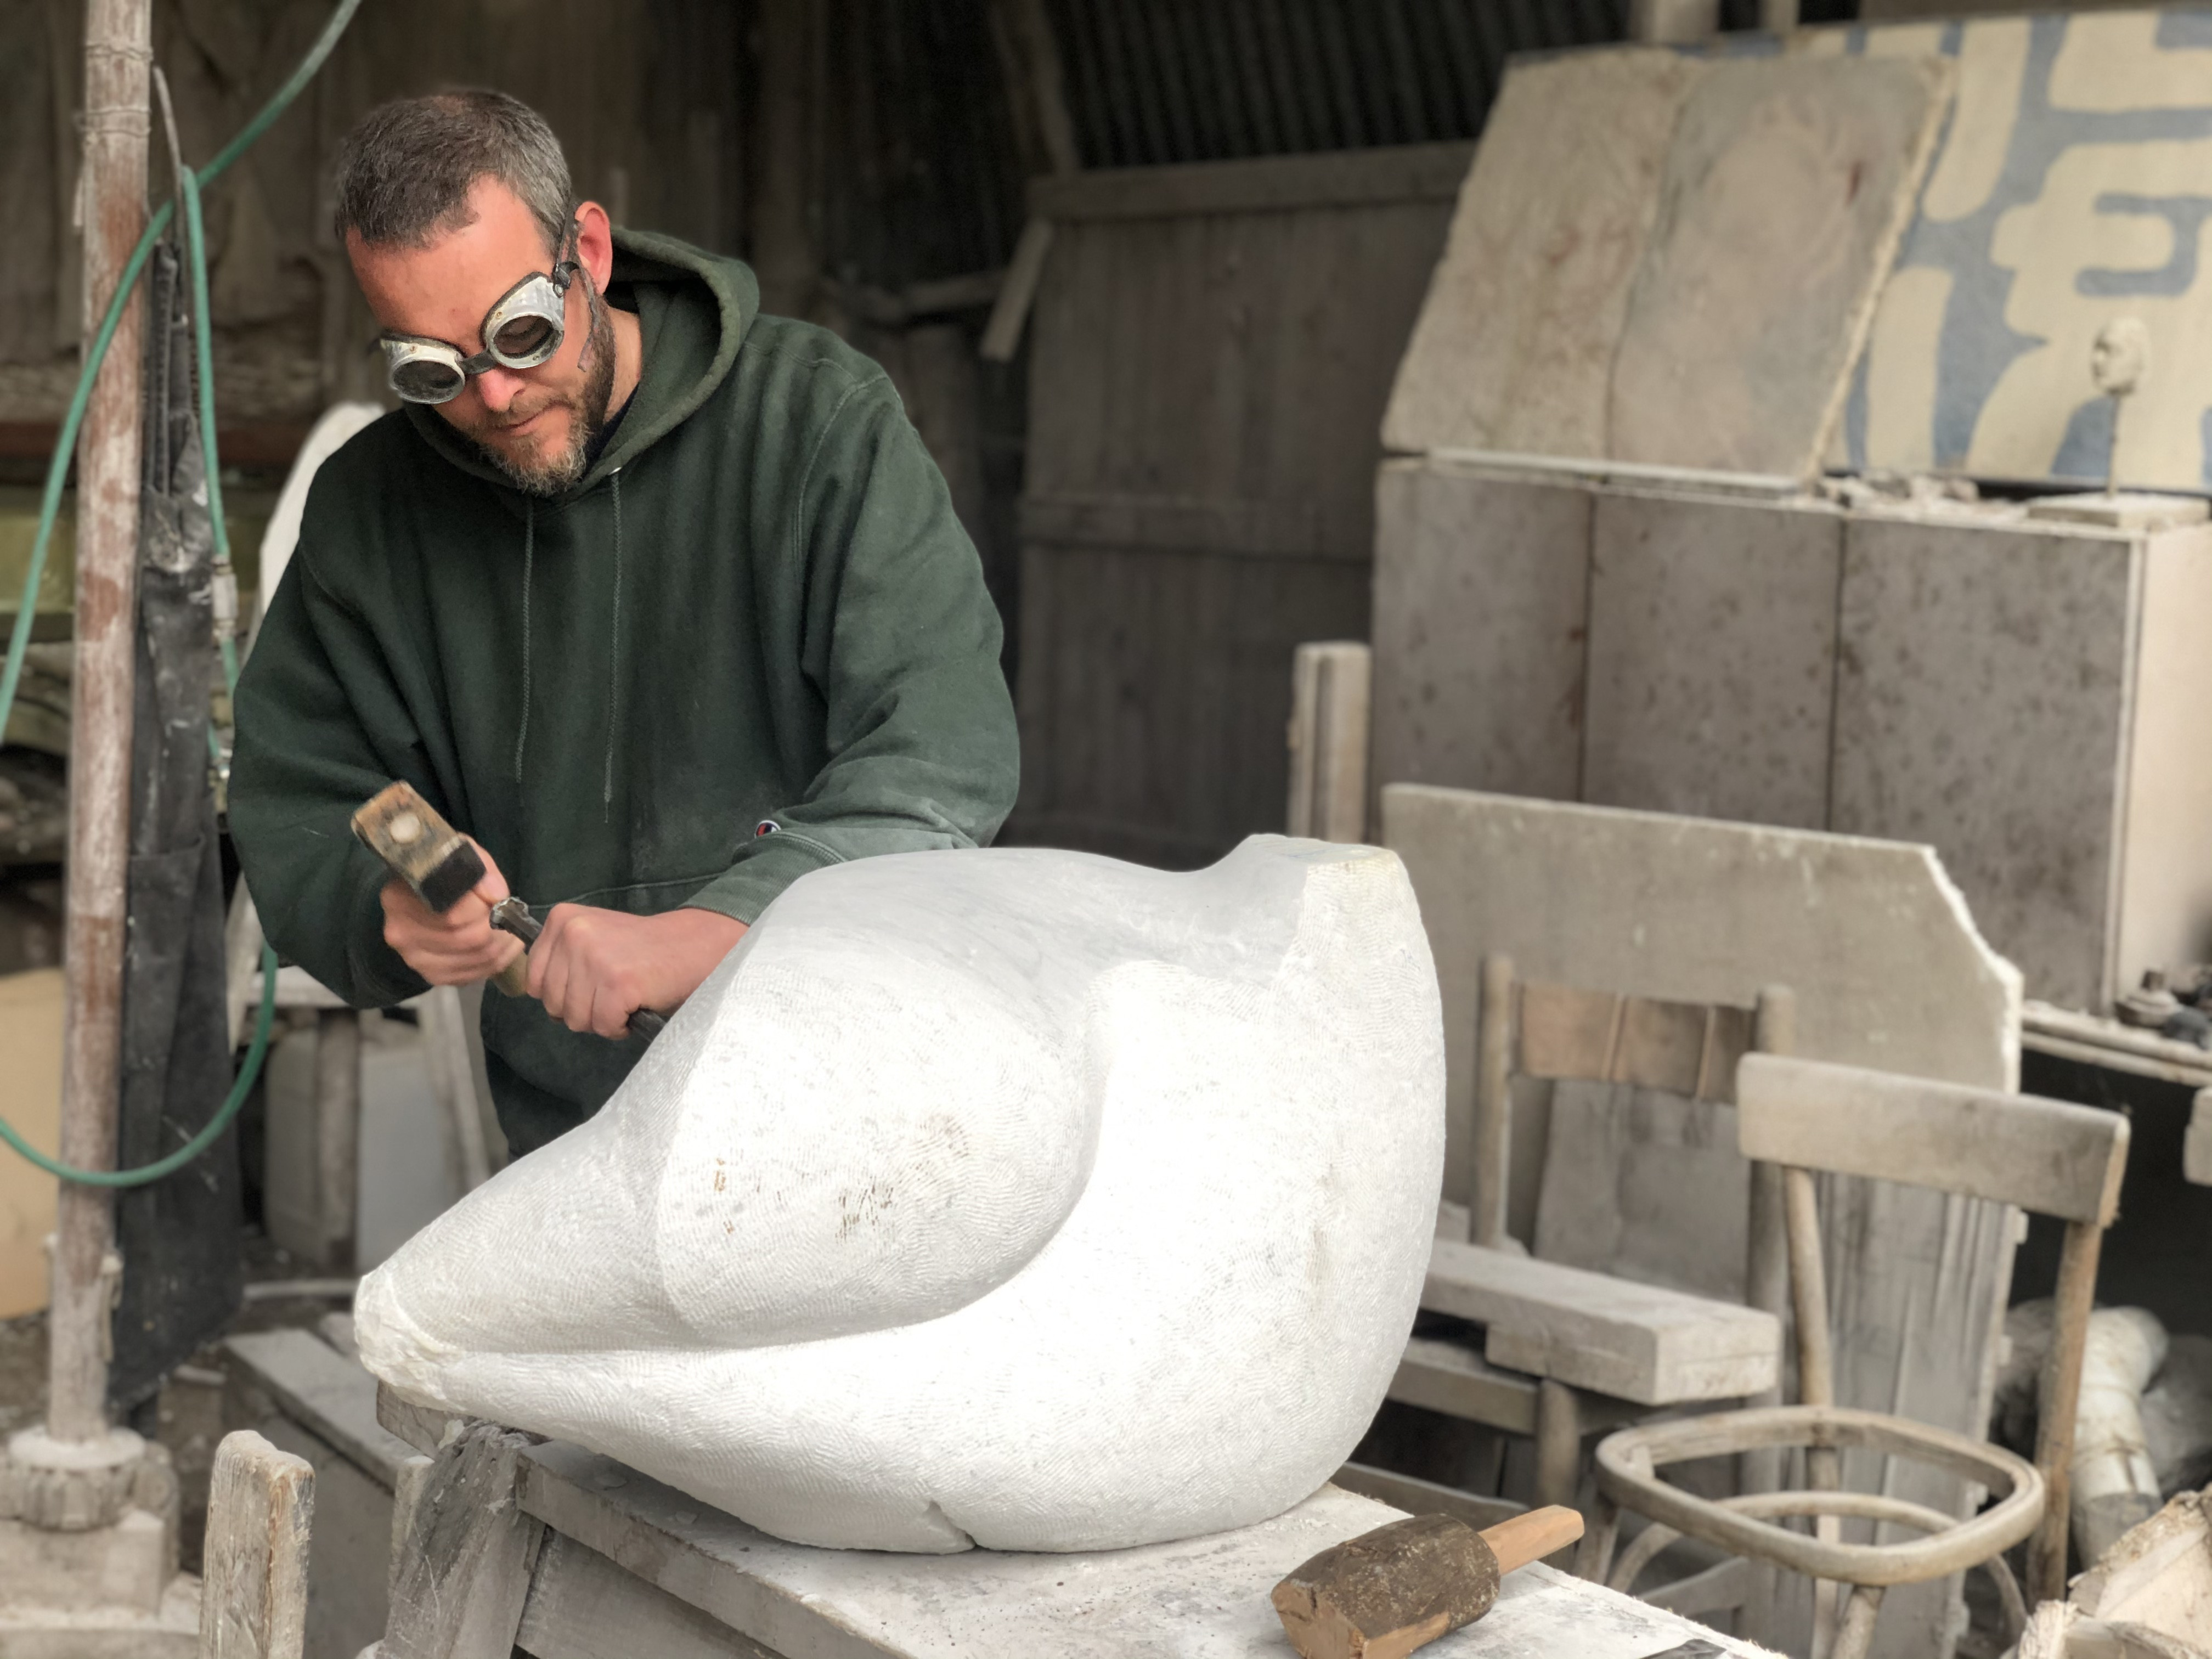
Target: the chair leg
pixel 1558 1442
pixel 1855 1632
pixel 1594 1558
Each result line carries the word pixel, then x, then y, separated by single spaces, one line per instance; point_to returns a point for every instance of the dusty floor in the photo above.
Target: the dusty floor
pixel 189 1412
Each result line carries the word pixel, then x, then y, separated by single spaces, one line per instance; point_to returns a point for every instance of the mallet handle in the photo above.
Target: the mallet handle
pixel 1533 1537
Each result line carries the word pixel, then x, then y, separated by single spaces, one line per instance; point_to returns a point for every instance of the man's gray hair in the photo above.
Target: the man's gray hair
pixel 406 170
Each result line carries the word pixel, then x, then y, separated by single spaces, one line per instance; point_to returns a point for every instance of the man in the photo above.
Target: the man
pixel 659 600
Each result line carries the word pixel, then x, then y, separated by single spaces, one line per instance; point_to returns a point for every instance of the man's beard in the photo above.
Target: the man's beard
pixel 557 475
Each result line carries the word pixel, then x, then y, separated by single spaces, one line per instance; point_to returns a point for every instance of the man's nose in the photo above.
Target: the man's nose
pixel 498 387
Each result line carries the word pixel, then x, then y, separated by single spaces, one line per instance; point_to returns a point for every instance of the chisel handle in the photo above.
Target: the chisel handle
pixel 512 916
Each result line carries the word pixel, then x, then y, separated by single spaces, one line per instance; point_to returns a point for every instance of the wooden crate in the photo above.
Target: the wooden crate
pixel 1212 349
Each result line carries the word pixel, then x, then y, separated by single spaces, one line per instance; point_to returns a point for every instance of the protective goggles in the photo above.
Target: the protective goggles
pixel 522 330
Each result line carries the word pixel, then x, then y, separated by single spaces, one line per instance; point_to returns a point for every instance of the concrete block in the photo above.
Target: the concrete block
pixel 171 1631
pixel 1982 707
pixel 126 1566
pixel 2164 904
pixel 1482 600
pixel 1711 657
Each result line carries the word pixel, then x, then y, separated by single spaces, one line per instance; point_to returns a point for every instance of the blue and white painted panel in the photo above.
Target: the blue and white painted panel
pixel 2073 186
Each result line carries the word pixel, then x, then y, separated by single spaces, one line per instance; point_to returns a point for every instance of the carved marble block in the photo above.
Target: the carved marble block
pixel 1014 1198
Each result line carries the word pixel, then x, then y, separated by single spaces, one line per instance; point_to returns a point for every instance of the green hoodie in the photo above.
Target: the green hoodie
pixel 751 642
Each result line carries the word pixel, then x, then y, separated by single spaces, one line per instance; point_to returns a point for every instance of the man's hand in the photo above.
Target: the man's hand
pixel 457 948
pixel 592 968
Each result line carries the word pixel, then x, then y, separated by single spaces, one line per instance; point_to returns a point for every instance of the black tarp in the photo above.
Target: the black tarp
pixel 179 1238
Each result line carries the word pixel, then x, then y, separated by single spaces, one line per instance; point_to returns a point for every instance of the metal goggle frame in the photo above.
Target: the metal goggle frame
pixel 521 331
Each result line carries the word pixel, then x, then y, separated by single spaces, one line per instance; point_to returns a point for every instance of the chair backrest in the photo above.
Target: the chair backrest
pixel 1567 1033
pixel 2047 1155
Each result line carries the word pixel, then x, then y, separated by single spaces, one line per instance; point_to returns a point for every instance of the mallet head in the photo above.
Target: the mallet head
pixel 418 846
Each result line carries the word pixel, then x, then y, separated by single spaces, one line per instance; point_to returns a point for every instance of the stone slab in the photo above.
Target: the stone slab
pixel 1636 1342
pixel 1889 972
pixel 1514 345
pixel 1481 603
pixel 1982 705
pixel 1657 257
pixel 1787 186
pixel 1615 1162
pixel 1711 657
pixel 2124 510
pixel 1203 1598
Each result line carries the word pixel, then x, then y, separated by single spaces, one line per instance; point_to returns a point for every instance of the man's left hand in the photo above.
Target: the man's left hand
pixel 592 969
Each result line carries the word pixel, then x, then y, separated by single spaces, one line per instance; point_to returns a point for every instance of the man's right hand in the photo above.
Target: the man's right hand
pixel 459 947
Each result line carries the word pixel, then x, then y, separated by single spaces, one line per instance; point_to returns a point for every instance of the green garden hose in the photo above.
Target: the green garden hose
pixel 50 509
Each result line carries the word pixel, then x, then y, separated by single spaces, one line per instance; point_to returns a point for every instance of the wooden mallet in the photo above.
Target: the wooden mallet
pixel 419 847
pixel 1387 1592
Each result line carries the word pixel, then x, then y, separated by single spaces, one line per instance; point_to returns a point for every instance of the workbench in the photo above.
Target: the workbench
pixel 594 1560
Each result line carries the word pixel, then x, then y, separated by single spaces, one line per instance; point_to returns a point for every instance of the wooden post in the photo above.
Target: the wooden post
pixel 1329 693
pixel 462 1550
pixel 1673 22
pixel 444 1026
pixel 1558 1443
pixel 2059 1396
pixel 1492 1150
pixel 1816 1374
pixel 1036 93
pixel 119 50
pixel 1767 1256
pixel 338 1138
pixel 785 255
pixel 253 1597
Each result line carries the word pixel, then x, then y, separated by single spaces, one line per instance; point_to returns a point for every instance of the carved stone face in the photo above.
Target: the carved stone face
pixel 2120 356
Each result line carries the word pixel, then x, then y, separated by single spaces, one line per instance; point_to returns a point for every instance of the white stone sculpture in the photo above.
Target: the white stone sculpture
pixel 1014 1198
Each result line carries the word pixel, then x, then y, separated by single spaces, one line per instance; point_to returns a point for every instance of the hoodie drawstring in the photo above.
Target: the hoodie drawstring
pixel 529 564
pixel 614 657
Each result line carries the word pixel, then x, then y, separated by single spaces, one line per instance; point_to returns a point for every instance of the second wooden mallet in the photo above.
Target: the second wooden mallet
pixel 1387 1592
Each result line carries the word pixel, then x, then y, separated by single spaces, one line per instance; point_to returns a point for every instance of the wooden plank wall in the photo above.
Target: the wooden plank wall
pixel 1212 348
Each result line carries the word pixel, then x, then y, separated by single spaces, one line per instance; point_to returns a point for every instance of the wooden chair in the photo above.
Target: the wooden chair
pixel 2042 1155
pixel 1567 1351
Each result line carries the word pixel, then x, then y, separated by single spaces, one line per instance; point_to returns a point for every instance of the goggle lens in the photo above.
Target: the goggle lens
pixel 525 340
pixel 426 381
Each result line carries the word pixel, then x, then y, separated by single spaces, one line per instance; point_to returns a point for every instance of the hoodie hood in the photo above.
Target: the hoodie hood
pixel 693 311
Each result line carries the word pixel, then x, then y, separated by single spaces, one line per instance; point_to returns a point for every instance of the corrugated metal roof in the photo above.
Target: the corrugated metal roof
pixel 1159 81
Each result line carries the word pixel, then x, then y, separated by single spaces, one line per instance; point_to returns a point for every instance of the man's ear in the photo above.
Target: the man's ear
pixel 595 244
